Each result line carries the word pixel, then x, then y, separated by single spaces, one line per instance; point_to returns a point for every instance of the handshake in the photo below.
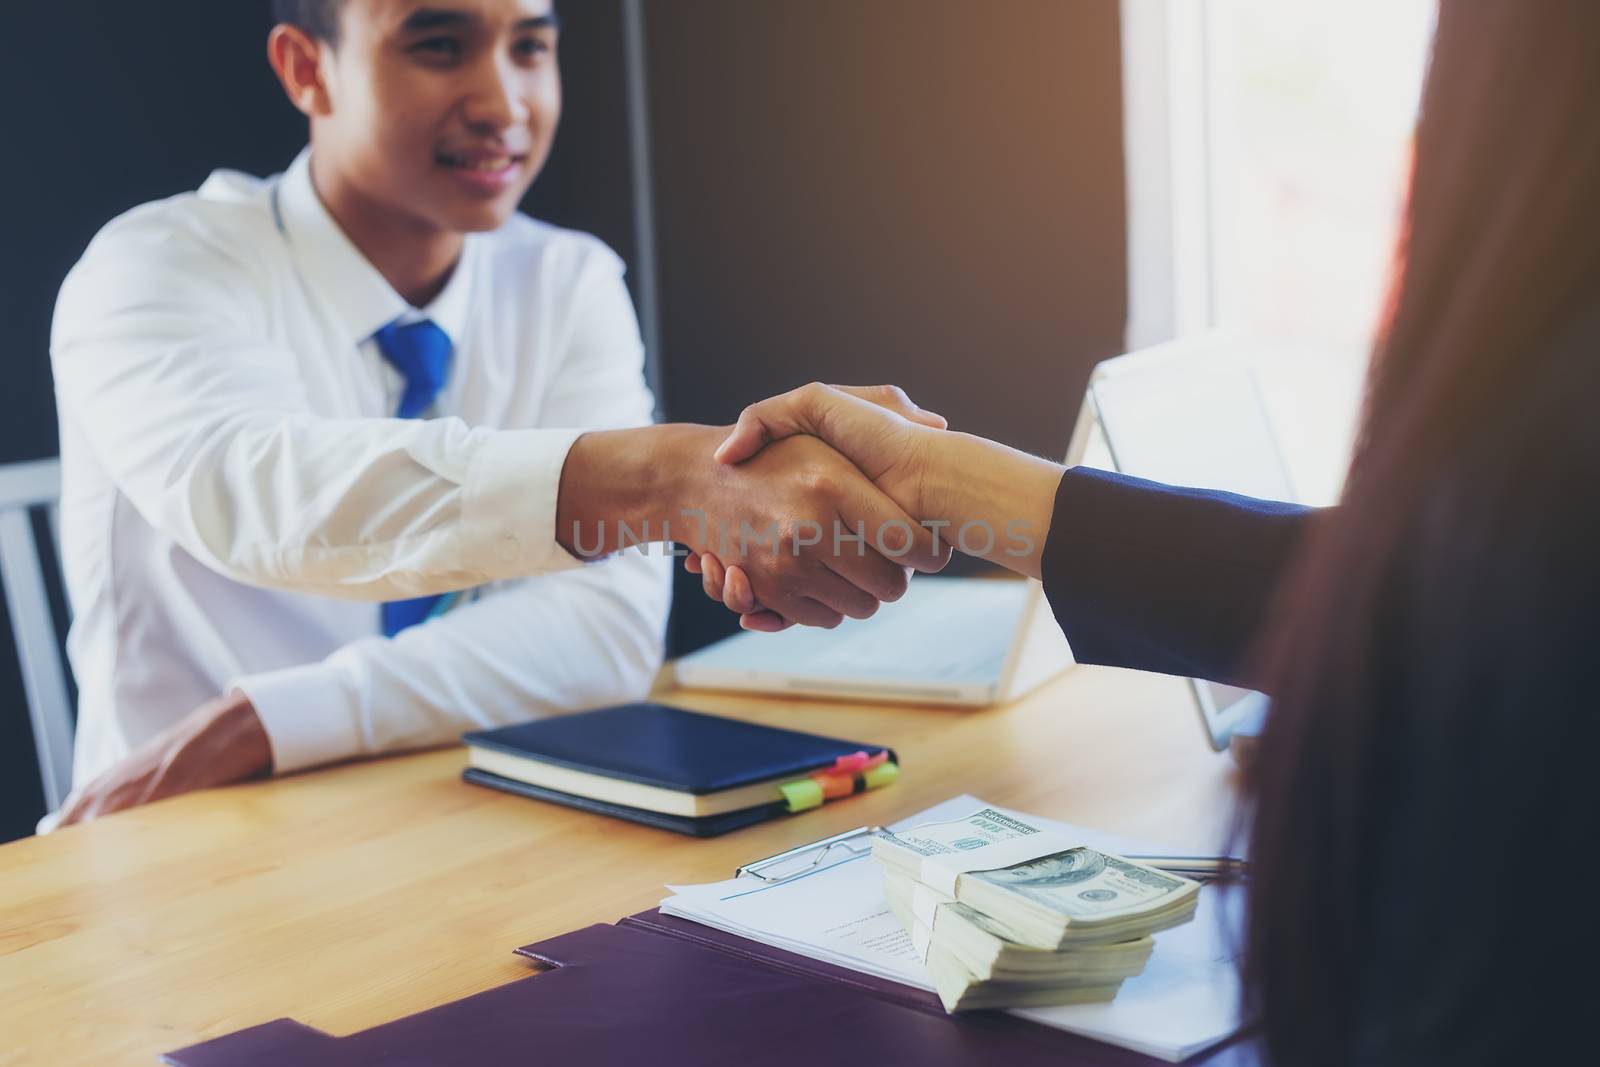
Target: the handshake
pixel 817 505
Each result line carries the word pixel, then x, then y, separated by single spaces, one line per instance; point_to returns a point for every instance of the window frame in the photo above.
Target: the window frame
pixel 1168 139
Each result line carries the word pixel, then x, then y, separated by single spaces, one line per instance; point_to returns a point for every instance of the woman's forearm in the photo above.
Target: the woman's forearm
pixel 997 500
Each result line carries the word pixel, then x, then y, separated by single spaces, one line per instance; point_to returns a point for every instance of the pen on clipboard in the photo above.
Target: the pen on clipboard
pixel 1199 868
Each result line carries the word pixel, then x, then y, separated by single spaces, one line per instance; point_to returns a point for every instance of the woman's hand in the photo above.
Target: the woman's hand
pixel 991 501
pixel 878 428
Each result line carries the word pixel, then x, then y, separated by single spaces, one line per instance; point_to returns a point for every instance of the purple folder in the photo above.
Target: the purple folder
pixel 658 990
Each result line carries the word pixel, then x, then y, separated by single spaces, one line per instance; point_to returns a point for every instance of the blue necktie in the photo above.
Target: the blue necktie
pixel 420 351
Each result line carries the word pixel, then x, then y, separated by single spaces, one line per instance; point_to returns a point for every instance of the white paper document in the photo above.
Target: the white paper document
pixel 1186 1000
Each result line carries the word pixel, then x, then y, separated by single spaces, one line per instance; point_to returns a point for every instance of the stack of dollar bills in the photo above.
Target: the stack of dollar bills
pixel 1065 926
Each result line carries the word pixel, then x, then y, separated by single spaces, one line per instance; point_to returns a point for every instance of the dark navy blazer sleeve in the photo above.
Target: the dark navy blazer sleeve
pixel 1161 578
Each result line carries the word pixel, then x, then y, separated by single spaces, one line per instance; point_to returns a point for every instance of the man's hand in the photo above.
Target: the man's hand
pixel 219 742
pixel 788 517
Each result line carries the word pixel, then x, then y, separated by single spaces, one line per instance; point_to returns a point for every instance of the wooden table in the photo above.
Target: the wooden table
pixel 348 897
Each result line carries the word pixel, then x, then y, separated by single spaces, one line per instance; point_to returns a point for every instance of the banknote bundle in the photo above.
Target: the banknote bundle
pixel 1065 925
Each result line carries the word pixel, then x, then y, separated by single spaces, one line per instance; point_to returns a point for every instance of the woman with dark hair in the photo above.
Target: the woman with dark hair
pixel 1420 795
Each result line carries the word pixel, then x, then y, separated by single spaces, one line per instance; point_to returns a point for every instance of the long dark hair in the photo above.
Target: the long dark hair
pixel 1424 823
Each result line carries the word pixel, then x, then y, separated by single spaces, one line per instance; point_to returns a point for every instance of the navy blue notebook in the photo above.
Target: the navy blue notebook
pixel 663 766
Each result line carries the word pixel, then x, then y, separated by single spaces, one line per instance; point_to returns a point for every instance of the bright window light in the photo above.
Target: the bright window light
pixel 1312 109
pixel 1267 146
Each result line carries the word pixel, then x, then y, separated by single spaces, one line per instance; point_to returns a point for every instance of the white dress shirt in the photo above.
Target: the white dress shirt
pixel 237 498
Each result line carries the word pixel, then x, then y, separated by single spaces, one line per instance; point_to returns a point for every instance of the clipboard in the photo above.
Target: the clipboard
pixel 698 996
pixel 802 859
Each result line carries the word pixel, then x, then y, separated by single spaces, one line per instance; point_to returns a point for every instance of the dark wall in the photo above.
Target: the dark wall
pixel 924 192
pixel 920 191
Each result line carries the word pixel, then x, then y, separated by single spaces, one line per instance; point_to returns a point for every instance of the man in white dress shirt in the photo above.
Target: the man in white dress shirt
pixel 337 445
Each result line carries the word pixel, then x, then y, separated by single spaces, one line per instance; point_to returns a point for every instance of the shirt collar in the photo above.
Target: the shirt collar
pixel 361 299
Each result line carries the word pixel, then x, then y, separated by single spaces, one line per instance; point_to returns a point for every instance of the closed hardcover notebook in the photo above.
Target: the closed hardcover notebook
pixel 662 766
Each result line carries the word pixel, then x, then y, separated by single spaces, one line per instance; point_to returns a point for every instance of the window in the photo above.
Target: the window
pixel 1267 151
pixel 1312 108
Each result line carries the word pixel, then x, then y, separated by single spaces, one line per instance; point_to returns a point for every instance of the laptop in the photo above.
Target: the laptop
pixel 968 642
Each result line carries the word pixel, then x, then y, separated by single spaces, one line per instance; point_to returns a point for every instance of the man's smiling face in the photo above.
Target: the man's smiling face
pixel 443 110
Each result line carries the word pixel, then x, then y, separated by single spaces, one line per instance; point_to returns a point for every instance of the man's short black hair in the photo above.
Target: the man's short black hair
pixel 319 18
